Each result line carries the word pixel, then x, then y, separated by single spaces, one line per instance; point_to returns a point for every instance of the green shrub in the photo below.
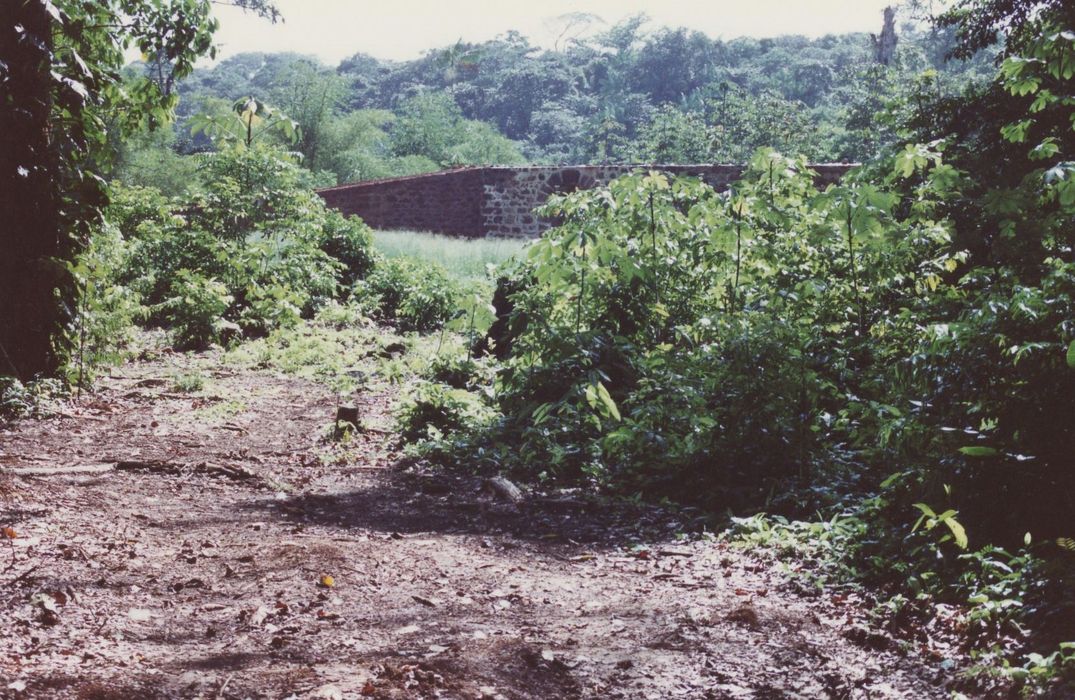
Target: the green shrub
pixel 433 412
pixel 336 315
pixel 37 398
pixel 415 296
pixel 272 249
pixel 460 372
pixel 349 241
pixel 197 310
pixel 107 309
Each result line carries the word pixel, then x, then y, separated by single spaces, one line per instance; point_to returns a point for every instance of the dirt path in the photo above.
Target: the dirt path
pixel 185 579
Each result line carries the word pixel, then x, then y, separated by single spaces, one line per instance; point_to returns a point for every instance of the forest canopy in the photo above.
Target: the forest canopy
pixel 629 93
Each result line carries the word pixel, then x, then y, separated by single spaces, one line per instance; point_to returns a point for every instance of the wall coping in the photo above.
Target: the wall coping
pixel 404 178
pixel 537 168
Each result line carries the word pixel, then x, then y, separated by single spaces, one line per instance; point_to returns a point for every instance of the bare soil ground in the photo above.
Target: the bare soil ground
pixel 200 569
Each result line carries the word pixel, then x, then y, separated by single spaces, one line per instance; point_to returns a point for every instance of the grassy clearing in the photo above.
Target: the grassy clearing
pixel 464 258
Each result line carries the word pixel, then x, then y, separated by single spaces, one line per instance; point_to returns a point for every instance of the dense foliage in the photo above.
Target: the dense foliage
pixel 896 351
pixel 253 251
pixel 626 93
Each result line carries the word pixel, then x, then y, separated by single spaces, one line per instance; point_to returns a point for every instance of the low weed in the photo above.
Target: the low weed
pixel 188 382
pixel 34 399
pixel 219 411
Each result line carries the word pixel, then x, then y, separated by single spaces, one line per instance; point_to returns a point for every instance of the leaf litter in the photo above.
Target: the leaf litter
pixel 235 560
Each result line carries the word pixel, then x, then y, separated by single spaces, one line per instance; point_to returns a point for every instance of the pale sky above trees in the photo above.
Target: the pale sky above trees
pixel 404 29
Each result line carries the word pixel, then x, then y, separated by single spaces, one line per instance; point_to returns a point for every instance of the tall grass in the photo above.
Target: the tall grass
pixel 463 258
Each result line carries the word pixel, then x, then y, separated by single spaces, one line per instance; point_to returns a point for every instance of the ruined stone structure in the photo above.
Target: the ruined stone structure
pixel 498 201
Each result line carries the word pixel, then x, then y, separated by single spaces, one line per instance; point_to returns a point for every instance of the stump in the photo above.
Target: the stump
pixel 346 419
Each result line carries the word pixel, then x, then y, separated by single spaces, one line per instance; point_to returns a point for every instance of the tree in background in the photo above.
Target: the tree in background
pixel 432 126
pixel 884 44
pixel 672 136
pixel 590 98
pixel 248 120
pixel 311 96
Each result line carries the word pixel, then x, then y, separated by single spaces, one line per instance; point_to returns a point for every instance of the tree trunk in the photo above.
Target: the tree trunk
pixel 31 241
pixel 884 46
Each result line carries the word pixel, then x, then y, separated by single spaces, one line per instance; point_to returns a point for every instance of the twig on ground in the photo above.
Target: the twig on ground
pixel 24 574
pixel 227 681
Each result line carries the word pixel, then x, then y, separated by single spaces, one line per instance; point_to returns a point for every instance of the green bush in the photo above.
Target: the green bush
pixel 259 248
pixel 460 372
pixel 664 340
pixel 433 412
pixel 34 398
pixel 349 242
pixel 196 312
pixel 107 309
pixel 415 296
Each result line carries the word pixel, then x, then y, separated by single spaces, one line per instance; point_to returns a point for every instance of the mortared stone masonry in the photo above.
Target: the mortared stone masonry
pixel 499 201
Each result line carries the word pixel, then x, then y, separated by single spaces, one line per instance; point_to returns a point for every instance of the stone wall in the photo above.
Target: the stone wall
pixel 499 201
pixel 446 202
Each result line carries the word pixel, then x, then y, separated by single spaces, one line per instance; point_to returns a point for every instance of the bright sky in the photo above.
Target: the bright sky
pixel 405 29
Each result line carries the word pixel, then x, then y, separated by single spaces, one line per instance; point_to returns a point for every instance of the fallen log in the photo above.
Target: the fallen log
pixel 229 471
pixel 504 489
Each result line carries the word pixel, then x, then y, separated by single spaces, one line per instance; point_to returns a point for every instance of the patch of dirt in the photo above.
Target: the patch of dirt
pixel 334 572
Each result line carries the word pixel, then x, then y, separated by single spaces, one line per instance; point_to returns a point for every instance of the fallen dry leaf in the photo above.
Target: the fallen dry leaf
pixel 329 692
pixel 139 614
pixel 259 615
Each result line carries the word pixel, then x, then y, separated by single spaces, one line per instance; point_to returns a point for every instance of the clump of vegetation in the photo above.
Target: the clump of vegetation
pixel 431 411
pixel 255 250
pixel 415 296
pixel 37 398
pixel 461 372
pixel 188 382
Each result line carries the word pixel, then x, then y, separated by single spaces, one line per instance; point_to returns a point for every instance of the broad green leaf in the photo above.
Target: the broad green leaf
pixel 609 404
pixel 958 532
pixel 926 510
pixel 591 396
pixel 978 451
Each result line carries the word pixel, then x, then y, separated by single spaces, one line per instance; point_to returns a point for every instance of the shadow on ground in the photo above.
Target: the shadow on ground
pixel 410 504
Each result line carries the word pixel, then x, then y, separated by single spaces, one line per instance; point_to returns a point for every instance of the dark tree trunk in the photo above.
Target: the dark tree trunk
pixel 884 46
pixel 31 241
